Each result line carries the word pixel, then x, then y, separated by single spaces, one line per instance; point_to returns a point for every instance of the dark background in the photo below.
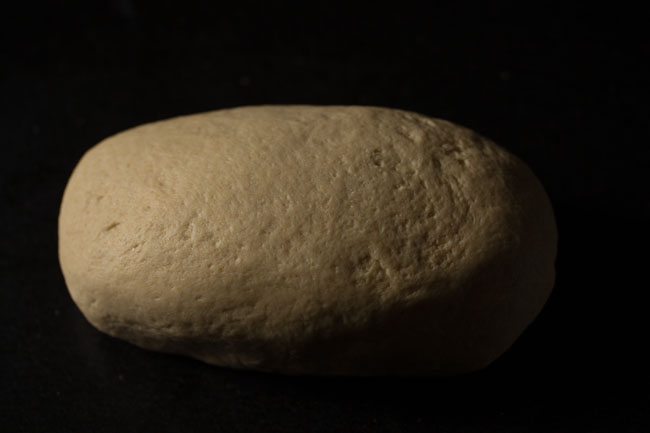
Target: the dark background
pixel 564 88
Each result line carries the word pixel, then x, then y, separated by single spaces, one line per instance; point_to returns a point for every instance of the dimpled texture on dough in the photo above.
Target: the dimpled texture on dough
pixel 309 240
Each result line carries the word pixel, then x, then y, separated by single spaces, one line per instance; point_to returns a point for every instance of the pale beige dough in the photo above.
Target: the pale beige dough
pixel 309 240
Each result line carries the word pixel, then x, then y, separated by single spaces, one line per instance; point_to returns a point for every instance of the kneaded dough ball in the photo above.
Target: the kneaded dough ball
pixel 309 240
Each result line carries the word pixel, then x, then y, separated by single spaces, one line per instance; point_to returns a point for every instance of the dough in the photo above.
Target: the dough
pixel 309 240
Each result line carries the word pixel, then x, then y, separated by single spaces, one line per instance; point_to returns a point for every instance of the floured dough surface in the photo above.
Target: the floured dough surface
pixel 309 240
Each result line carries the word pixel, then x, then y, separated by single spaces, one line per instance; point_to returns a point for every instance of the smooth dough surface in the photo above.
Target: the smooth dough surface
pixel 309 240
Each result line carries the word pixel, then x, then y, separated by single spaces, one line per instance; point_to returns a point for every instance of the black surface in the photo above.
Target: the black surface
pixel 566 90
